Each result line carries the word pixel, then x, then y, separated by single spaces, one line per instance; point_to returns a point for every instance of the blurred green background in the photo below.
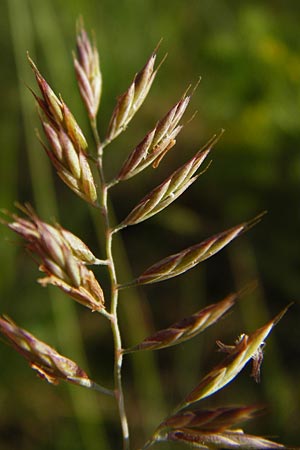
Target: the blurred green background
pixel 248 55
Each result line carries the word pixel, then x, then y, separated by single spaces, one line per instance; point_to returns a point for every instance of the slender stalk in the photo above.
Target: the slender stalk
pixel 118 360
pixel 148 444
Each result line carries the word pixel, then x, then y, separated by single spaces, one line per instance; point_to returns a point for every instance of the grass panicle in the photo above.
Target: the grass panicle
pixel 65 259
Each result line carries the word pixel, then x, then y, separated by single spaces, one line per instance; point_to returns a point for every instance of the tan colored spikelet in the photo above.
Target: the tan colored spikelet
pixel 181 262
pixel 86 291
pixel 211 420
pixel 156 143
pixel 79 249
pixel 87 184
pixel 129 102
pixel 73 130
pixel 188 327
pixel 87 71
pixel 240 354
pixel 226 440
pixel 170 189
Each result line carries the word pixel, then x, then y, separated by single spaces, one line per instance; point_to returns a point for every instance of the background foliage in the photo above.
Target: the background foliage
pixel 248 54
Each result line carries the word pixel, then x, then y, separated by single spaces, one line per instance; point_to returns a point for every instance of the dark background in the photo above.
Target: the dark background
pixel 248 55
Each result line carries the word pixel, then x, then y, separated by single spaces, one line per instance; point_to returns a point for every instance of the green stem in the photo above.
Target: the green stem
pixel 118 360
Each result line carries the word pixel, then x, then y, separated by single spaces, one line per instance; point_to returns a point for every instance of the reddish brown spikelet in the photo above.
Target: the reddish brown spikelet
pixel 188 327
pixel 156 143
pixel 88 73
pixel 50 103
pixel 211 420
pixel 49 364
pixel 129 102
pixel 181 262
pixel 56 110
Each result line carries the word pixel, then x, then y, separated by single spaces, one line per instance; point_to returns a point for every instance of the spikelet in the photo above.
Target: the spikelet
pixel 156 143
pixel 226 440
pixel 211 420
pixel 186 328
pixel 48 363
pixel 181 262
pixel 129 102
pixel 88 72
pixel 242 352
